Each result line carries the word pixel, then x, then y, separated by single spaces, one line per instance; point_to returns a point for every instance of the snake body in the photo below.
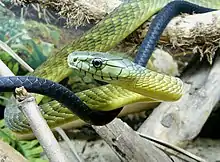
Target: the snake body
pixel 105 35
pixel 61 94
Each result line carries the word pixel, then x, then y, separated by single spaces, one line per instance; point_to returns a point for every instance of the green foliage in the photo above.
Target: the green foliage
pixel 29 149
pixel 33 42
pixel 6 135
pixel 32 49
pixel 11 63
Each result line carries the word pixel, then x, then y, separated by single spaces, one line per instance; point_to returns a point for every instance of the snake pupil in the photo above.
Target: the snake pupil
pixel 97 62
pixel 75 59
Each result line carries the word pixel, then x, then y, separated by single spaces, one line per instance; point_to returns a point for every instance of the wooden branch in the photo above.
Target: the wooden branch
pixel 198 33
pixel 184 35
pixel 192 34
pixel 193 29
pixel 7 49
pixel 181 121
pixel 8 153
pixel 128 144
pixel 39 126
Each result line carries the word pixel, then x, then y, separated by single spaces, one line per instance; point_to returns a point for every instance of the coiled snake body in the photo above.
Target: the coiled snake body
pixel 105 35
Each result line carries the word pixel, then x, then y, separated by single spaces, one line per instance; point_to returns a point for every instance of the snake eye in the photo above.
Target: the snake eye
pixel 75 59
pixel 97 62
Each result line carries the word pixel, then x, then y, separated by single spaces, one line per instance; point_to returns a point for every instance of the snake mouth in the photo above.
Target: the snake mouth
pixel 73 67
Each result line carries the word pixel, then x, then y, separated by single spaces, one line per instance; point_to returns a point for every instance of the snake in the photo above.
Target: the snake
pixel 101 38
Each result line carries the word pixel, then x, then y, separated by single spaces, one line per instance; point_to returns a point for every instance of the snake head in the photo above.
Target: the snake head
pixel 101 66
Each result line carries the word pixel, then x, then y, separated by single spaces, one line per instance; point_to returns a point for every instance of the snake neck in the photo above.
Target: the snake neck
pixel 152 84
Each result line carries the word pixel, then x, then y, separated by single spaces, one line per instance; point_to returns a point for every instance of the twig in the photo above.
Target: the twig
pixel 68 142
pixel 39 126
pixel 6 48
pixel 2 4
pixel 14 37
pixel 165 146
pixel 4 98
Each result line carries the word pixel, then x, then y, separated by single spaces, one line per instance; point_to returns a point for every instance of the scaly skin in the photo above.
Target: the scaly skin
pixel 105 35
pixel 127 74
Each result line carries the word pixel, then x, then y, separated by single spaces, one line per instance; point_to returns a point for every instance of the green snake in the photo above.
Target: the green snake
pixel 102 37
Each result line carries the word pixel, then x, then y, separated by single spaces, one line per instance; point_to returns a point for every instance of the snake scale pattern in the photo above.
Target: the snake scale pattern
pixel 102 37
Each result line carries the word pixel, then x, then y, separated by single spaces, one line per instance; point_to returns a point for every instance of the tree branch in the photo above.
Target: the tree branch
pixel 199 33
pixel 39 126
pixel 128 144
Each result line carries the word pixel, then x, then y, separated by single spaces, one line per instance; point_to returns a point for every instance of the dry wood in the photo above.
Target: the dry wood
pixel 198 33
pixel 181 121
pixel 184 35
pixel 193 29
pixel 128 144
pixel 39 126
